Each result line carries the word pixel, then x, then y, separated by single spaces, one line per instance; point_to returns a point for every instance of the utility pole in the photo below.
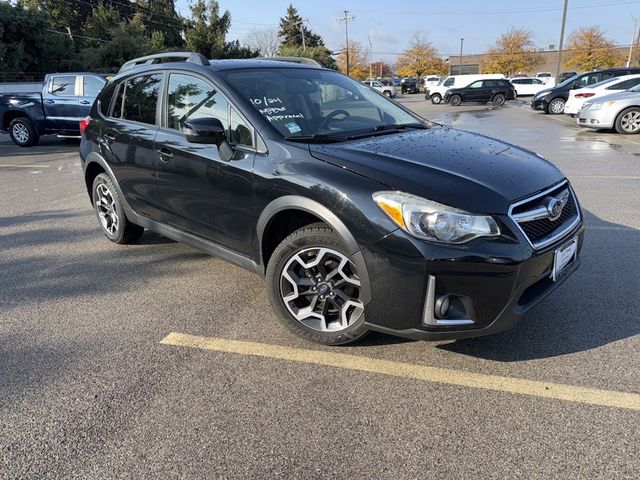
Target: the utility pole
pixel 564 22
pixel 633 39
pixel 370 58
pixel 460 63
pixel 346 18
pixel 301 25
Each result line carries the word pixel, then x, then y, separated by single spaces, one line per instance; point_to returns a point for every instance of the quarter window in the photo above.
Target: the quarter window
pixel 141 98
pixel 64 86
pixel 239 132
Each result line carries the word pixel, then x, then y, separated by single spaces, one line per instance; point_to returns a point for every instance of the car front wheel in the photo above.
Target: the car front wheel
pixel 108 206
pixel 628 122
pixel 556 107
pixel 455 100
pixel 387 93
pixel 436 98
pixel 314 287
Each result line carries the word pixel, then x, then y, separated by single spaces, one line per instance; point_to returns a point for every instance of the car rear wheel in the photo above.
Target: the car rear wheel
pixel 108 206
pixel 556 106
pixel 628 122
pixel 314 287
pixel 455 100
pixel 498 99
pixel 436 98
pixel 23 132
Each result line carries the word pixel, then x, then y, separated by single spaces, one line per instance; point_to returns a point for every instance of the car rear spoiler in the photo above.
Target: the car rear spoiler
pixel 190 57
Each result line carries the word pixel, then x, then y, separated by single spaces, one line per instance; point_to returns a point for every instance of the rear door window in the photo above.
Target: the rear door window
pixel 64 86
pixel 91 86
pixel 625 85
pixel 141 98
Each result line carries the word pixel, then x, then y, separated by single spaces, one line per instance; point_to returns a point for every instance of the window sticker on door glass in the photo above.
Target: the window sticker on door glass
pixel 293 127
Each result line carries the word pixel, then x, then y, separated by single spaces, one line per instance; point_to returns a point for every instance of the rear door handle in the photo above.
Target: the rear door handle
pixel 85 102
pixel 165 155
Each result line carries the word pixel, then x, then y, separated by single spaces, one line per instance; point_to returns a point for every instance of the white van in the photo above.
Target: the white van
pixel 436 93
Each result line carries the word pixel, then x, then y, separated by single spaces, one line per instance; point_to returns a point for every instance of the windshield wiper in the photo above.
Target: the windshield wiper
pixel 316 138
pixel 386 129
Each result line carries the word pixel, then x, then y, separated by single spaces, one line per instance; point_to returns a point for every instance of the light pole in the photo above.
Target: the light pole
pixel 564 21
pixel 370 58
pixel 460 62
pixel 633 39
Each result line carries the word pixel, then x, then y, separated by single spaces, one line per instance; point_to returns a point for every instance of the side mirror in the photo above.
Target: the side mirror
pixel 204 130
pixel 575 85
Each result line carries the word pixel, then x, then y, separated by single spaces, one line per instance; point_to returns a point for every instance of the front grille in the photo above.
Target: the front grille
pixel 543 231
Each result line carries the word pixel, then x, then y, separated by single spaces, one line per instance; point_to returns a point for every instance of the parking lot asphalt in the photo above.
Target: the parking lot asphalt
pixel 154 360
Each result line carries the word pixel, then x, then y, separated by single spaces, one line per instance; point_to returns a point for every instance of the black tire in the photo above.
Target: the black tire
pixel 436 99
pixel 498 99
pixel 308 238
pixel 387 93
pixel 455 100
pixel 23 132
pixel 121 230
pixel 627 121
pixel 555 106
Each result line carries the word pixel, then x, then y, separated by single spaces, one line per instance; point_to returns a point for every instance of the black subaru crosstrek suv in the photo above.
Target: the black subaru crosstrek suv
pixel 360 214
pixel 495 90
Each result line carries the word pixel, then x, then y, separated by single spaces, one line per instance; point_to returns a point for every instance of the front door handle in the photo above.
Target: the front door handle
pixel 165 155
pixel 49 102
pixel 85 102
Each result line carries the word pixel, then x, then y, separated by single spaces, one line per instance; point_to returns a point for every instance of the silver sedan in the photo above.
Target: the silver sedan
pixel 619 110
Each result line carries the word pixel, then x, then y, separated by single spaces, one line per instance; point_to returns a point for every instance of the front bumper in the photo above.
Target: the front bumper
pixel 539 103
pixel 603 118
pixel 497 282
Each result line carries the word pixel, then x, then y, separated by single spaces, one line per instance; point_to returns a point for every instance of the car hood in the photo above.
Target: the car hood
pixel 616 96
pixel 454 167
pixel 543 92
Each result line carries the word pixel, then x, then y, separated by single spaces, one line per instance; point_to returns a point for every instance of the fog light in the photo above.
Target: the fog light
pixel 593 120
pixel 443 302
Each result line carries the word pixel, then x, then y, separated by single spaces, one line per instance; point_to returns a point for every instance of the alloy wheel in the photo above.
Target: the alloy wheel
pixel 557 106
pixel 106 208
pixel 630 121
pixel 20 132
pixel 321 289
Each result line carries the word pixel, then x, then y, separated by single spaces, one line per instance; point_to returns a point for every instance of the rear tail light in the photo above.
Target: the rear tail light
pixel 84 123
pixel 584 95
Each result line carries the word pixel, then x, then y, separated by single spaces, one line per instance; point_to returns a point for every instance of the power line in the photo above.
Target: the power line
pixel 457 13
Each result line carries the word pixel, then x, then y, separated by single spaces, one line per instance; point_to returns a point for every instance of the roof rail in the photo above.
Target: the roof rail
pixel 303 60
pixel 190 57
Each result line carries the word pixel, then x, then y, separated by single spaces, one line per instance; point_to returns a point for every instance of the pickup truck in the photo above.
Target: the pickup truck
pixel 65 99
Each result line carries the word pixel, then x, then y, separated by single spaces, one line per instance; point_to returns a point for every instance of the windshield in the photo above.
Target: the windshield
pixel 313 102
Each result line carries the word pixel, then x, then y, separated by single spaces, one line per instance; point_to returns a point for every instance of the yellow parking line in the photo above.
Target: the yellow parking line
pixel 589 396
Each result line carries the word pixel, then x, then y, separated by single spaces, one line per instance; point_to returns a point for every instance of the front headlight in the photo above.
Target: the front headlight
pixel 594 106
pixel 434 221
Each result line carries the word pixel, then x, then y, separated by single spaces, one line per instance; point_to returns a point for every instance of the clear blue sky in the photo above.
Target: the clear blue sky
pixel 391 24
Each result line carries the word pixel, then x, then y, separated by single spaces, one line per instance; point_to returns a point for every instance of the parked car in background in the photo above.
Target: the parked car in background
pixel 410 85
pixel 566 75
pixel 359 214
pixel 579 96
pixel 496 91
pixel 436 93
pixel 618 110
pixel 431 81
pixel 64 100
pixel 547 78
pixel 552 100
pixel 387 90
pixel 528 86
